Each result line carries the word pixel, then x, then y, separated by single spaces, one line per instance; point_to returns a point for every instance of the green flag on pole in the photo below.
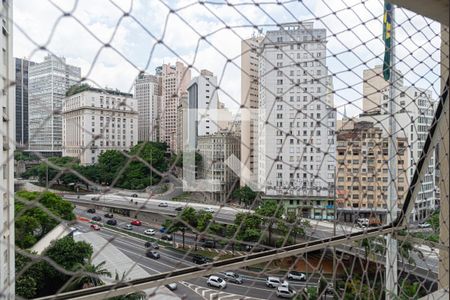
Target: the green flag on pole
pixel 387 27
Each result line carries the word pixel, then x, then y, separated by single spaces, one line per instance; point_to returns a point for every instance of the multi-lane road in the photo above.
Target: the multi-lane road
pixel 253 287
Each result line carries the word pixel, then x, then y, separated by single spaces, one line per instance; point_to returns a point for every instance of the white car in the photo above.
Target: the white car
pixel 295 275
pixel 172 286
pixel 285 292
pixel 149 231
pixel 163 204
pixel 272 281
pixel 424 225
pixel 128 227
pixel 209 209
pixel 216 281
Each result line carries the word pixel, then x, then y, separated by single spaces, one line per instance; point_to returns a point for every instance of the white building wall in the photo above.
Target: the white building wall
pixel 95 121
pixel 7 132
pixel 296 118
pixel 48 83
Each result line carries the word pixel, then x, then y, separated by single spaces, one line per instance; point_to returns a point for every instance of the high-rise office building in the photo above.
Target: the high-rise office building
pixel 147 92
pixel 297 118
pixel 203 97
pixel 414 114
pixel 174 82
pixel 48 84
pixel 249 105
pixel 21 86
pixel 97 120
pixel 7 246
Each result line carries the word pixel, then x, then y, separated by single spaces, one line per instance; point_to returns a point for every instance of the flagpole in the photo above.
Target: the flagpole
pixel 391 242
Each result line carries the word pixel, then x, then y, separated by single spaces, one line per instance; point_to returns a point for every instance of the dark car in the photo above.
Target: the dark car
pixel 153 254
pixel 179 208
pixel 134 195
pixel 112 222
pixel 167 237
pixel 91 210
pixel 199 259
pixel 109 215
pixel 151 245
pixel 208 244
pixel 96 218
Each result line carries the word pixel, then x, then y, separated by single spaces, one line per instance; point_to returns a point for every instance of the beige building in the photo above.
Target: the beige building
pixel 147 92
pixel 373 86
pixel 7 128
pixel 96 120
pixel 215 150
pixel 175 80
pixel 250 49
pixel 181 116
pixel 362 171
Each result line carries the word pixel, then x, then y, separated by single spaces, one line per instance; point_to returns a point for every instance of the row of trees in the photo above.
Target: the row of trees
pixel 113 167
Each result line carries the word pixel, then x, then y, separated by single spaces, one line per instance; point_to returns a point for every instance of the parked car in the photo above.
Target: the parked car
pixel 136 223
pixel 216 281
pixel 95 198
pixel 208 244
pixel 233 277
pixel 294 275
pixel 179 208
pixel 286 292
pixel 128 227
pixel 273 282
pixel 149 231
pixel 134 195
pixel 199 259
pixel 95 227
pixel 167 237
pixel 96 218
pixel 153 254
pixel 163 204
pixel 172 286
pixel 153 245
pixel 109 215
pixel 112 222
pixel 91 210
pixel 424 225
pixel 162 229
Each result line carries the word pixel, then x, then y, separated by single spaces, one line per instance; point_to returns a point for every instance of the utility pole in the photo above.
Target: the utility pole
pixel 391 242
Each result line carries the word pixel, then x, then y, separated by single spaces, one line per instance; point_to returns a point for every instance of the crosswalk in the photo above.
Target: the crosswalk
pixel 215 294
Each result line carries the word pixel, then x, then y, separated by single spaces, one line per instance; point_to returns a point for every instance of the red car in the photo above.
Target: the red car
pixel 95 227
pixel 136 223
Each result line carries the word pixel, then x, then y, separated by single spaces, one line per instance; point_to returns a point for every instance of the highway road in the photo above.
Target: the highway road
pixel 252 288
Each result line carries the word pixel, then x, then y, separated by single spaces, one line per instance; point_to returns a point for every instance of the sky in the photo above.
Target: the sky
pixel 113 40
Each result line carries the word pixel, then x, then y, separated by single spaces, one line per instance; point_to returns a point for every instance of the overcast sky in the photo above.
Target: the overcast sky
pixel 133 40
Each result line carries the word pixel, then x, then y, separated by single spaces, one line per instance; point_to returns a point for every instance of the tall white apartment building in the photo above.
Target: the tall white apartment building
pixel 414 114
pixel 48 83
pixel 96 120
pixel 203 97
pixel 174 82
pixel 250 49
pixel 147 92
pixel 7 124
pixel 297 119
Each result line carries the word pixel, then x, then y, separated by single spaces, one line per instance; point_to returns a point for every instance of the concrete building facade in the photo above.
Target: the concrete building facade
pixel 147 92
pixel 7 124
pixel 48 84
pixel 250 50
pixel 21 86
pixel 215 149
pixel 362 171
pixel 297 119
pixel 96 120
pixel 414 114
pixel 174 81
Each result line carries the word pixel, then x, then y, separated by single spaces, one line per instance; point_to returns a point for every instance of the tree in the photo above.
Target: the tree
pixel 91 274
pixel 203 220
pixel 405 251
pixel 245 195
pixel 248 227
pixel 271 211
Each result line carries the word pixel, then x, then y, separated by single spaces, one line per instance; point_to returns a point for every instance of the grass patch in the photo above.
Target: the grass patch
pixel 137 235
pixel 182 197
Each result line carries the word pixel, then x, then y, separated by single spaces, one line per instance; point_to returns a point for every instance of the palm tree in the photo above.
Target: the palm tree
pixel 90 274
